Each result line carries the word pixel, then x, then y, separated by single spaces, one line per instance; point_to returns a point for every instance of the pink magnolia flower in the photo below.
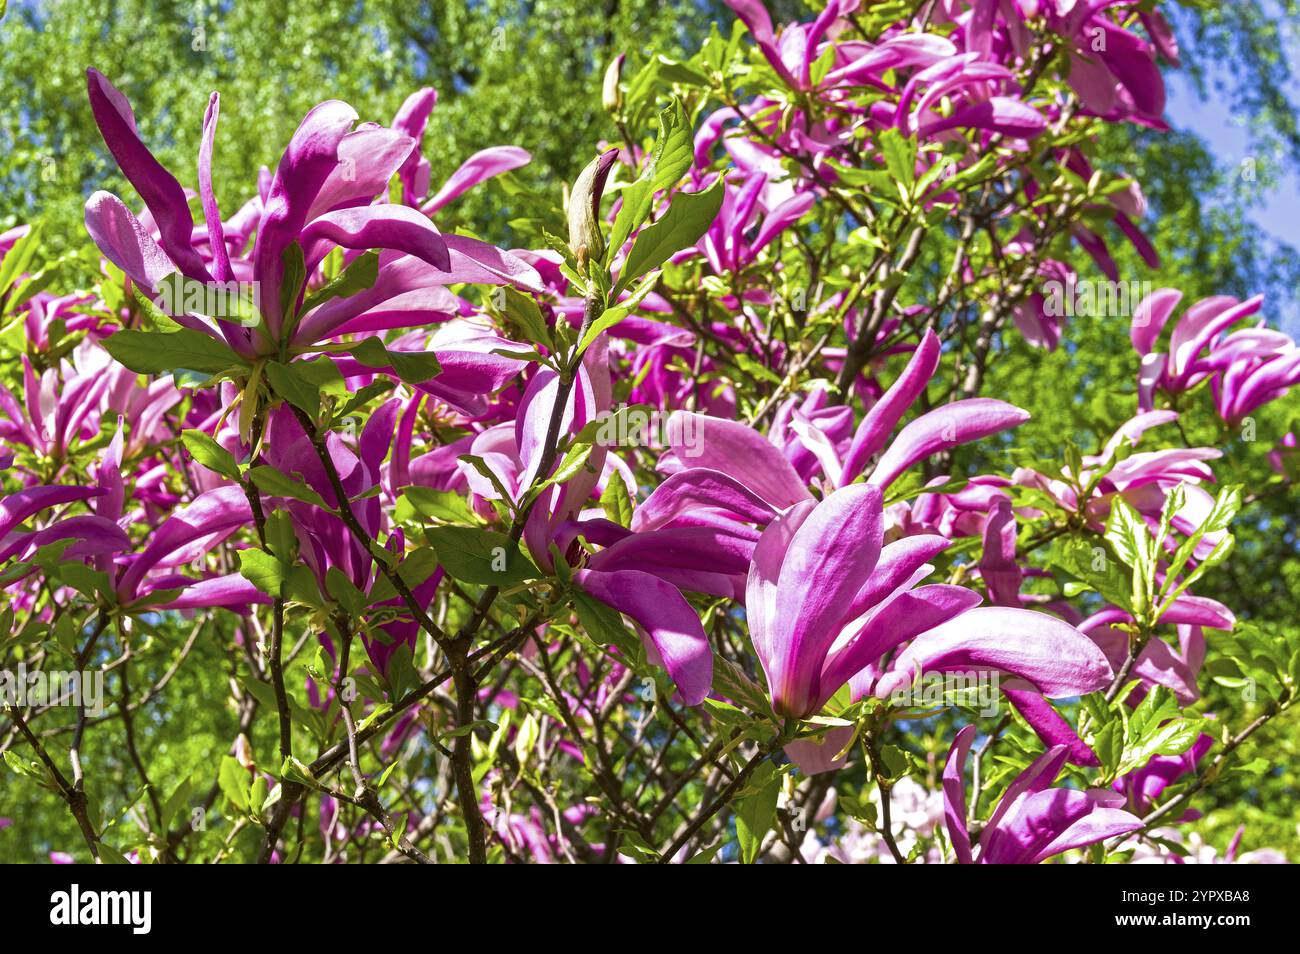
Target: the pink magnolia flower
pixel 322 196
pixel 1033 821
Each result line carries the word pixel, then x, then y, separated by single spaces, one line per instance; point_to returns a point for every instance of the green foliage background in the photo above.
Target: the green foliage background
pixel 528 74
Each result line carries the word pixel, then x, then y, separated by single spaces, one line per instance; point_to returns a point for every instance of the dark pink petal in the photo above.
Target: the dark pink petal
pixel 1049 725
pixel 1047 652
pixel 211 213
pixel 411 119
pixel 675 637
pixel 1048 822
pixel 126 242
pixel 394 227
pixel 738 451
pixel 162 194
pixel 17 507
pixel 367 159
pixel 215 512
pixel 480 167
pixel 949 426
pixel 898 620
pixel 700 559
pixel 231 590
pixel 700 496
pixel 483 264
pixel 899 562
pixel 999 114
pixel 954 794
pixel 880 421
pixel 979 28
pixel 998 567
pixel 309 159
pixel 829 558
pixel 764 575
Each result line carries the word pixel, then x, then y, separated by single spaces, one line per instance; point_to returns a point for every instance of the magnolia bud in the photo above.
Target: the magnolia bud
pixel 612 93
pixel 584 208
pixel 244 752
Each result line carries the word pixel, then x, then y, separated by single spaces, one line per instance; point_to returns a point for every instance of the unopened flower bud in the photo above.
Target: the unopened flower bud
pixel 612 92
pixel 584 208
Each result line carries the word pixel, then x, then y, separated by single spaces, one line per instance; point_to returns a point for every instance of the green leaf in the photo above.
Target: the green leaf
pixel 414 569
pixel 896 761
pixel 1097 567
pixel 688 217
pixel 1220 517
pixel 210 454
pixel 672 156
pixel 360 275
pixel 756 812
pixel 295 770
pixel 522 311
pixel 177 801
pixel 234 781
pixel 476 555
pixel 1135 546
pixel 264 570
pixel 157 352
pixel 289 383
pixel 401 675
pixel 277 484
pixel 412 367
pixel 900 156
pixel 617 502
pixel 18 259
pixel 612 316
pixel 446 506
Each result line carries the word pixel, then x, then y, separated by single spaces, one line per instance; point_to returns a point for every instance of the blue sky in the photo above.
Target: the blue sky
pixel 1278 211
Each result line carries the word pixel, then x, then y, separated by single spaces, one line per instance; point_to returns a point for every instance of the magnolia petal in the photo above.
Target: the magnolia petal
pixel 701 496
pixel 673 629
pixel 480 167
pixel 162 194
pixel 949 426
pixel 1049 725
pixel 740 452
pixel 885 414
pixel 377 226
pixel 954 794
pixel 1047 652
pixel 829 558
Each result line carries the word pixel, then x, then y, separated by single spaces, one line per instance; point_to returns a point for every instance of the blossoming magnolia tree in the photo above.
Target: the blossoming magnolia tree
pixel 684 531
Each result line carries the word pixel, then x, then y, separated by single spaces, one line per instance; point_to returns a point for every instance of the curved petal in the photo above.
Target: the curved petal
pixel 308 161
pixel 17 507
pixel 949 426
pixel 701 496
pixel 162 194
pixel 224 509
pixel 954 794
pixel 394 227
pixel 740 452
pixel 1051 654
pixel 885 414
pixel 125 242
pixel 480 167
pixel 673 628
pixel 829 558
pixel 1049 725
